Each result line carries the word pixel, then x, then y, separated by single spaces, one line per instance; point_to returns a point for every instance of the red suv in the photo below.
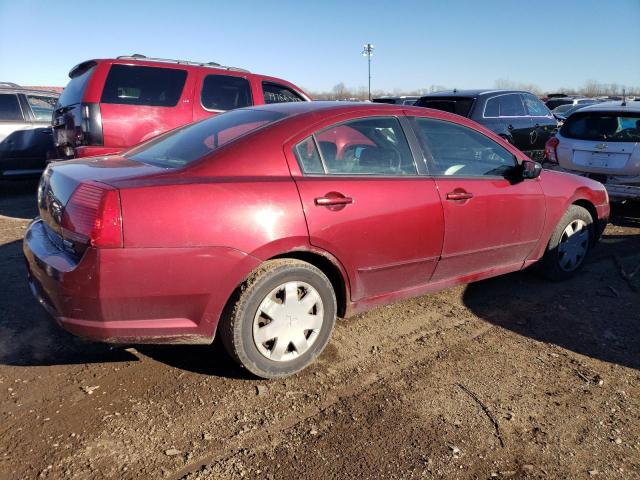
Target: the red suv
pixel 263 224
pixel 110 105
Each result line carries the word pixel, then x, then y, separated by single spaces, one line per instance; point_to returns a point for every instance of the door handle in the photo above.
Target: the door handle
pixel 459 195
pixel 328 201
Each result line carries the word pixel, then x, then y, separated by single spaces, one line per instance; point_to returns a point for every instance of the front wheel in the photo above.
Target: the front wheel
pixel 282 319
pixel 569 244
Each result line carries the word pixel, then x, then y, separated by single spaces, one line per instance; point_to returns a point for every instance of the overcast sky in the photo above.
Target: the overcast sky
pixel 454 43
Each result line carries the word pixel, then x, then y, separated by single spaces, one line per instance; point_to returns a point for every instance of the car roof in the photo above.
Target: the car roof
pixel 19 89
pixel 616 106
pixel 471 92
pixel 296 108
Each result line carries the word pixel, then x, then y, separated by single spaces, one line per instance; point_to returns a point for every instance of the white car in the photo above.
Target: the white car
pixel 602 142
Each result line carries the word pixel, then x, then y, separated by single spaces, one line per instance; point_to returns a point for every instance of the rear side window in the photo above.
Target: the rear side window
pixel 180 147
pixel 372 146
pixel 150 86
pixel 42 107
pixel 535 107
pixel 458 105
pixel 603 126
pixel 74 90
pixel 509 105
pixel 225 92
pixel 274 93
pixel 10 108
pixel 460 151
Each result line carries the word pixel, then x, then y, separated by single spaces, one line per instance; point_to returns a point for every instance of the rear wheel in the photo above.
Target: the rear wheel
pixel 282 319
pixel 569 244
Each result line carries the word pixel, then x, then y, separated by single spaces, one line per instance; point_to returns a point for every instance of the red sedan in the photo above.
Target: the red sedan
pixel 266 223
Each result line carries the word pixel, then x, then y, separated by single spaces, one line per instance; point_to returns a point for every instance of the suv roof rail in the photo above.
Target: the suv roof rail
pixel 138 56
pixel 9 84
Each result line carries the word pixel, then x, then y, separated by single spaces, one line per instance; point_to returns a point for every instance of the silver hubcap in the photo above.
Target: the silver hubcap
pixel 288 321
pixel 573 245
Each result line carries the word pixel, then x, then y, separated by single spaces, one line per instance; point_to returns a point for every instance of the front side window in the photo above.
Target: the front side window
pixel 509 105
pixel 461 151
pixel 150 86
pixel 42 107
pixel 371 146
pixel 180 147
pixel 225 92
pixel 274 93
pixel 603 126
pixel 10 108
pixel 535 107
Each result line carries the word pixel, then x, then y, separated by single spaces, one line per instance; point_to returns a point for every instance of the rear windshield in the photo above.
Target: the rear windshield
pixel 603 126
pixel 74 90
pixel 459 105
pixel 188 144
pixel 136 85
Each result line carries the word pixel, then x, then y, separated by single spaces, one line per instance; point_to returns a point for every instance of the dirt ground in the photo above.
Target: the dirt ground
pixel 512 377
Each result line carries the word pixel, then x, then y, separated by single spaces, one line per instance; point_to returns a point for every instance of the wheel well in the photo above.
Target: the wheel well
pixel 589 207
pixel 329 269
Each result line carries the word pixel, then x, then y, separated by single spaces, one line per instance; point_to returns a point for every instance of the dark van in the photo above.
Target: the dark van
pixel 110 105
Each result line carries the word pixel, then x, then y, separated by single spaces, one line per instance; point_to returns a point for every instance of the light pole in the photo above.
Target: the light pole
pixel 368 52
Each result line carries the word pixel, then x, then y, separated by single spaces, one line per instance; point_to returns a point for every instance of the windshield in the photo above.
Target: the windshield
pixel 599 126
pixel 188 144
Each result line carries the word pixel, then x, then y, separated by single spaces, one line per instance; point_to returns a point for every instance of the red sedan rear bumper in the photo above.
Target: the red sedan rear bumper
pixel 134 295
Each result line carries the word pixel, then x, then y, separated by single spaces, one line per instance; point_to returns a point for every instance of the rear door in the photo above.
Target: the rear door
pixel 492 220
pixel 366 203
pixel 14 128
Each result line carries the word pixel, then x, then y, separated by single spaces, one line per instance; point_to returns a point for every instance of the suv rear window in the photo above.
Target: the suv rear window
pixel 74 90
pixel 188 144
pixel 603 126
pixel 225 92
pixel 137 85
pixel 458 105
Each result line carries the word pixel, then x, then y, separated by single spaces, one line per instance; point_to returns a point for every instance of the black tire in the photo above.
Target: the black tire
pixel 236 325
pixel 551 263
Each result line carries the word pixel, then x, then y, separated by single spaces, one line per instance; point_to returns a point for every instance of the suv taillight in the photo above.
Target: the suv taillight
pixel 91 126
pixel 550 149
pixel 93 216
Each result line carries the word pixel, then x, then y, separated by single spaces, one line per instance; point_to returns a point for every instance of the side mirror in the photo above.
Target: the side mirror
pixel 531 169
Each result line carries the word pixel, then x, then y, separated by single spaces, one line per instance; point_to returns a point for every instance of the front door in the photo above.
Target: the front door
pixel 366 204
pixel 492 220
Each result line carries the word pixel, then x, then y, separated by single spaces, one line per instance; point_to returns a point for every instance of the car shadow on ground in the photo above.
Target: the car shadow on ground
pixel 18 198
pixel 30 337
pixel 596 313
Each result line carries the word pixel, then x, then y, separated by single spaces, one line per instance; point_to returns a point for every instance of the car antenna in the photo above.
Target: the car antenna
pixel 624 99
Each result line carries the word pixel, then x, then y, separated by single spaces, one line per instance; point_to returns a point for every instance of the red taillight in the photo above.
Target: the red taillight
pixel 93 213
pixel 550 149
